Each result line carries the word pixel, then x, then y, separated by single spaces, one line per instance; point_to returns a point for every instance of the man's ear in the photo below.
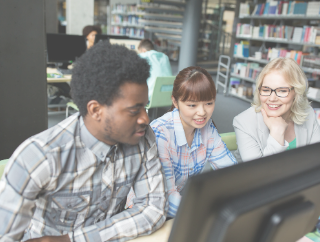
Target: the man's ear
pixel 174 102
pixel 94 110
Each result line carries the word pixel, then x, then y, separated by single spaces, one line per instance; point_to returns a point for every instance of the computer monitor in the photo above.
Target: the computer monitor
pixel 129 43
pixel 272 199
pixel 102 37
pixel 65 47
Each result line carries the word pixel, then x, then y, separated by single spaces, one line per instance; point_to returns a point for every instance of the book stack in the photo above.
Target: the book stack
pixel 279 52
pixel 124 8
pixel 241 49
pixel 133 32
pixel 240 90
pixel 125 20
pixel 244 29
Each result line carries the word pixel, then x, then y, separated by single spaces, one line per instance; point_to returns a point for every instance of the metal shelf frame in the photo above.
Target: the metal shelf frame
pixel 242 98
pixel 243 78
pixel 128 25
pixel 163 30
pixel 305 69
pixel 275 40
pixel 160 10
pixel 161 23
pixel 168 17
pixel 168 36
pixel 281 17
pixel 171 3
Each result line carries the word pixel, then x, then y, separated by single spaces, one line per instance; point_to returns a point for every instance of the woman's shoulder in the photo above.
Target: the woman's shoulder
pixel 246 118
pixel 163 122
pixel 246 114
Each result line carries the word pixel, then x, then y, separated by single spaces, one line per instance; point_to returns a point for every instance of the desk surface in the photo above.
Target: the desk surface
pixel 66 78
pixel 161 235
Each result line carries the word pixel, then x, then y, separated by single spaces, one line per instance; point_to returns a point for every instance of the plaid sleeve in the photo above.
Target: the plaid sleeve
pixel 148 212
pixel 26 173
pixel 219 155
pixel 166 162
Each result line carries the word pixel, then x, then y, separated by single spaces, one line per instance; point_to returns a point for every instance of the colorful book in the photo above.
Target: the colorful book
pixel 285 8
pixel 245 48
pixel 266 8
pixel 273 7
pixel 300 8
pixel 297 34
pixel 262 9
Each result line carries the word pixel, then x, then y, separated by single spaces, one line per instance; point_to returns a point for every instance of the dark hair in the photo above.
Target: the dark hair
pixel 101 70
pixel 89 28
pixel 193 83
pixel 147 44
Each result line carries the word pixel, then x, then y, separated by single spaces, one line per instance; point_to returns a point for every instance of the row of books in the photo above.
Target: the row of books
pixel 124 8
pixel 306 34
pixel 127 31
pixel 279 52
pixel 120 19
pixel 311 8
pixel 249 70
pixel 304 59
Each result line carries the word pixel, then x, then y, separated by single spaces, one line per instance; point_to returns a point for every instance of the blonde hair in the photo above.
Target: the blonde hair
pixel 295 77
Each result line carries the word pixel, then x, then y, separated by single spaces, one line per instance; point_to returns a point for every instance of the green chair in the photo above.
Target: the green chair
pixel 71 105
pixel 161 95
pixel 2 166
pixel 230 140
pixel 314 236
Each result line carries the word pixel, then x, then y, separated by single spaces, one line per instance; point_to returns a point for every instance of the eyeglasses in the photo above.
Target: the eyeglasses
pixel 280 91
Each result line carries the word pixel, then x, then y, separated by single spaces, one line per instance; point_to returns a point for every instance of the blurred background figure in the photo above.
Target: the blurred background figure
pixel 90 32
pixel 159 62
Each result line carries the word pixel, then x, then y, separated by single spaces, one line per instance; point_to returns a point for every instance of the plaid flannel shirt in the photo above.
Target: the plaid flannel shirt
pixel 180 161
pixel 65 181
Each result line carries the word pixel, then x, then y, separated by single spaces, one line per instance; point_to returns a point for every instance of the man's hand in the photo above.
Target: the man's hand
pixel 63 238
pixel 276 125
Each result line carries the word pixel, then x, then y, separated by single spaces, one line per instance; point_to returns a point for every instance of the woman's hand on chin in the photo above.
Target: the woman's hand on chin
pixel 276 125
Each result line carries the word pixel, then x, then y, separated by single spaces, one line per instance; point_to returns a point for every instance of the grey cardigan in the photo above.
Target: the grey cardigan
pixel 254 139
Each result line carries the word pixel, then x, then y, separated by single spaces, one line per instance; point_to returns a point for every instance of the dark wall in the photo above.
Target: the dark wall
pixel 23 100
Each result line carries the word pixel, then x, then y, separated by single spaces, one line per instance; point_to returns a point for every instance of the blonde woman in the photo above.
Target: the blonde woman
pixel 281 117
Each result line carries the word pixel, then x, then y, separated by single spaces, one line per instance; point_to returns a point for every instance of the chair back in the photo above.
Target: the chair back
pixel 230 140
pixel 2 166
pixel 162 91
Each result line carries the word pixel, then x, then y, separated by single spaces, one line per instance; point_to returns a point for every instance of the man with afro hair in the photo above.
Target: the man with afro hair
pixel 70 182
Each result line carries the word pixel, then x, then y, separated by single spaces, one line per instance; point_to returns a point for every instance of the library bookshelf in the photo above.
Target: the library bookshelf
pixel 158 20
pixel 254 36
